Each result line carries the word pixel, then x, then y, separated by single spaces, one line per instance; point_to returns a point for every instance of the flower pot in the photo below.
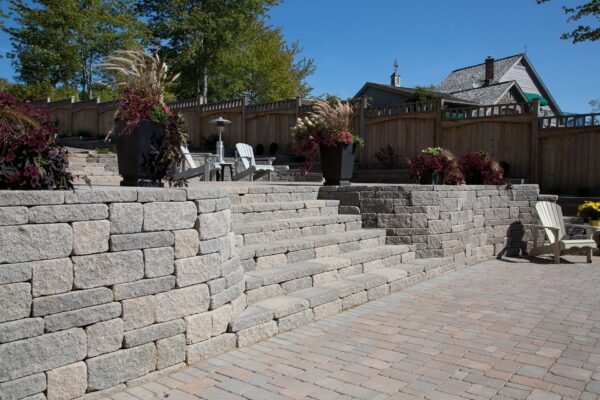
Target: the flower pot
pixel 432 178
pixel 134 154
pixel 337 163
pixel 595 222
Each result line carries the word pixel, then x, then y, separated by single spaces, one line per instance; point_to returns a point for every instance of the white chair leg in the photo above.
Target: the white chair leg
pixel 589 253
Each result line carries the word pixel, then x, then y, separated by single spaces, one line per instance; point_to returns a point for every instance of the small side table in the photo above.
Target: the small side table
pixel 221 173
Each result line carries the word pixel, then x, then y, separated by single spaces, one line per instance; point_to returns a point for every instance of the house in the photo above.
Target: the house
pixel 380 95
pixel 497 81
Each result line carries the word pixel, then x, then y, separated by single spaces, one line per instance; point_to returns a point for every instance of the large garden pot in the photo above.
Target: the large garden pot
pixel 337 163
pixel 432 178
pixel 134 153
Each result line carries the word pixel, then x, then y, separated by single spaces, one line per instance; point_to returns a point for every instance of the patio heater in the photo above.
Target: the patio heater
pixel 220 124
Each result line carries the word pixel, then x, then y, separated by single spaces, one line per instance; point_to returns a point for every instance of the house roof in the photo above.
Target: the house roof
pixel 489 94
pixel 408 92
pixel 464 78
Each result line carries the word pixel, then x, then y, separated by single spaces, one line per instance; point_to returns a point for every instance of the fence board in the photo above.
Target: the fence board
pixel 567 145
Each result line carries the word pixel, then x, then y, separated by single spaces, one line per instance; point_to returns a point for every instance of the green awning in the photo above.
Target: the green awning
pixel 532 96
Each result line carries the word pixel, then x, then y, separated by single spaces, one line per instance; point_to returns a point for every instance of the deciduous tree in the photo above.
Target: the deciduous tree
pixel 583 32
pixel 61 41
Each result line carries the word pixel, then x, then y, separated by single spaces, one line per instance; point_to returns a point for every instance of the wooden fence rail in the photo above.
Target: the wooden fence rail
pixel 560 153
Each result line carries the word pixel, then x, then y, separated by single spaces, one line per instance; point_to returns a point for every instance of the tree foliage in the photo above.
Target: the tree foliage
pixel 263 67
pixel 423 93
pixel 60 42
pixel 595 105
pixel 583 32
pixel 223 49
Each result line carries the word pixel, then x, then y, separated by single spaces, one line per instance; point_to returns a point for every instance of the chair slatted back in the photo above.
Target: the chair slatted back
pixel 550 214
pixel 245 150
pixel 188 157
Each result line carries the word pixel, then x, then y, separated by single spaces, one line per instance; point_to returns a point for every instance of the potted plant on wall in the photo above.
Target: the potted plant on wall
pixel 590 211
pixel 149 135
pixel 325 132
pixel 434 166
pixel 480 169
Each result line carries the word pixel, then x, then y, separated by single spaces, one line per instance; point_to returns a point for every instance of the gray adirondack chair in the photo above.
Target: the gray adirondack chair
pixel 246 164
pixel 208 170
pixel 550 219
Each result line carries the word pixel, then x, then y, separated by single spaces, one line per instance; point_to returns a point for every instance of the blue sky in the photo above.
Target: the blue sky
pixel 355 41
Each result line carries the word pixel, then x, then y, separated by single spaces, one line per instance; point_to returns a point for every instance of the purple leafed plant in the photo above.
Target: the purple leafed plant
pixel 29 157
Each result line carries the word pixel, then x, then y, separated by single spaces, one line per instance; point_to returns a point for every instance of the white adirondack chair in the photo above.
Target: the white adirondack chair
pixel 245 164
pixel 208 170
pixel 550 218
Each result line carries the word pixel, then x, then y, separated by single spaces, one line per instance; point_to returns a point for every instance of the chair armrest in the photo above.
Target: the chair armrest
pixel 554 229
pixel 589 230
pixel 268 160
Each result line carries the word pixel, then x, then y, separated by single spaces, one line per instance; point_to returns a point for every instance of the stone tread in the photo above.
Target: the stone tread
pixel 287 272
pixel 290 223
pixel 282 306
pixel 246 208
pixel 307 242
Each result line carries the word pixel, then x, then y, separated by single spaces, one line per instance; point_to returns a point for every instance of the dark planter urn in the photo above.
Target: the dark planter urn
pixel 431 178
pixel 337 163
pixel 134 154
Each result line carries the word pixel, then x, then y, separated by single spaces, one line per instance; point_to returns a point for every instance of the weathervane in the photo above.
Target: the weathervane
pixel 396 65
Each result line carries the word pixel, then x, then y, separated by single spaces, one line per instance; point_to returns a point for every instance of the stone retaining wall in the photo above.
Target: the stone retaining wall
pixel 102 287
pixel 471 223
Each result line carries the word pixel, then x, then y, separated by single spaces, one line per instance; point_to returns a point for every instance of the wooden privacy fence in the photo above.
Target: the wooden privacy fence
pixel 559 153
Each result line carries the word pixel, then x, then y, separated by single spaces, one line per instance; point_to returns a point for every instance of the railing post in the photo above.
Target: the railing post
pixel 364 103
pixel 438 138
pixel 535 138
pixel 243 135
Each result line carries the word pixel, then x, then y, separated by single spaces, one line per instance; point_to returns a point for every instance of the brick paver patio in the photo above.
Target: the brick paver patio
pixel 500 330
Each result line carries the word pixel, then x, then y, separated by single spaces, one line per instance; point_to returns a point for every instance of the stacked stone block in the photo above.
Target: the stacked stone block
pixel 470 222
pixel 103 287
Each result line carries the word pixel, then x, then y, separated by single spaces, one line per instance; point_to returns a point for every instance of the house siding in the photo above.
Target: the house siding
pixel 380 98
pixel 520 74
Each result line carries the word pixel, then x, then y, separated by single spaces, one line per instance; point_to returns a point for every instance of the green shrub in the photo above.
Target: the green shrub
pixel 259 150
pixel 273 148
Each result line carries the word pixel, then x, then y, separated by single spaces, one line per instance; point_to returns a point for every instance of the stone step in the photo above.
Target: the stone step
pixel 283 279
pixel 282 313
pixel 265 255
pixel 253 233
pixel 258 212
pixel 98 180
pixel 273 193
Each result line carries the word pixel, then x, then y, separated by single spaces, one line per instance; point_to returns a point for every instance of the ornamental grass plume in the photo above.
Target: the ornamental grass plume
pixel 327 124
pixel 140 73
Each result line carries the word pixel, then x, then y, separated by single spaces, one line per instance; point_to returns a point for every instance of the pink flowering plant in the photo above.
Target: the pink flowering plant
pixel 328 125
pixel 29 157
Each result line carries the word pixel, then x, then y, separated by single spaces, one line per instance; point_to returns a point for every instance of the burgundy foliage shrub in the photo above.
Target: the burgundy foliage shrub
pixel 29 158
pixel 479 168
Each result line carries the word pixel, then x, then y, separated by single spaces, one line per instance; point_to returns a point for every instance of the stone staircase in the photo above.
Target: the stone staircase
pixel 303 261
pixel 101 169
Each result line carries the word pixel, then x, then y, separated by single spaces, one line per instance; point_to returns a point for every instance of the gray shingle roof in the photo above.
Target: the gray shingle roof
pixel 463 79
pixel 406 91
pixel 485 95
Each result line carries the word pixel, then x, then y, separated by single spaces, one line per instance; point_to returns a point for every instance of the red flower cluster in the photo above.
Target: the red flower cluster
pixel 29 159
pixel 344 137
